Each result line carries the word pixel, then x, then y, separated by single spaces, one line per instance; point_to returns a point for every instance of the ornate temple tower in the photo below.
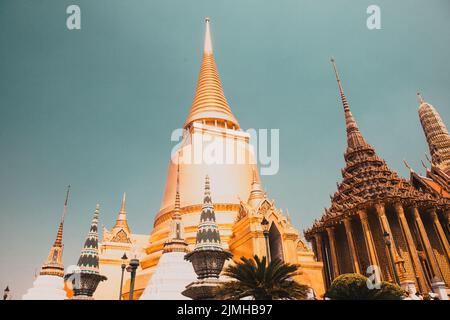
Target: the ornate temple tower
pixel 173 273
pixel 87 277
pixel 436 134
pixel 114 244
pixel 373 200
pixel 208 256
pixel 49 285
pixel 211 123
pixel 436 180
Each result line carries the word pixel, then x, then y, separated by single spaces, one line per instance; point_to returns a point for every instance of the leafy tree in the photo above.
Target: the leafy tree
pixel 353 286
pixel 255 278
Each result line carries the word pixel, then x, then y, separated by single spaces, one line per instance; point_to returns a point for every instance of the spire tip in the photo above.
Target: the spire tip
pixel 420 98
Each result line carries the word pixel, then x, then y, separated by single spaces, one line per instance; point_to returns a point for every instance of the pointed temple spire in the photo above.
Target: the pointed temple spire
pixel 208 237
pixel 354 136
pixel 437 135
pixel 210 104
pixel 176 241
pixel 208 256
pixel 256 192
pixel 88 263
pixel 54 265
pixel 88 260
pixel 121 222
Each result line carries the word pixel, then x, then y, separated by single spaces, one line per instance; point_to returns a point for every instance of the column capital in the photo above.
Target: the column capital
pixel 379 206
pixel 398 205
pixel 433 214
pixel 362 215
pixel 346 221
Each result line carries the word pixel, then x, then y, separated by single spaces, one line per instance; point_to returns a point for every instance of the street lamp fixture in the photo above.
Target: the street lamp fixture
pixel 134 264
pixel 265 226
pixel 388 242
pixel 123 266
pixel 6 293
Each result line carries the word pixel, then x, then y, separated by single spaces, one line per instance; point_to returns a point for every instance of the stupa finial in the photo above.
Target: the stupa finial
pixel 207 47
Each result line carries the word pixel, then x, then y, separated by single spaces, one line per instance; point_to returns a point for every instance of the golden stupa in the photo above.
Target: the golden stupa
pixel 239 201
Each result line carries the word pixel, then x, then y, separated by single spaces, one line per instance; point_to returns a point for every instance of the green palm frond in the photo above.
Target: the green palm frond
pixel 261 280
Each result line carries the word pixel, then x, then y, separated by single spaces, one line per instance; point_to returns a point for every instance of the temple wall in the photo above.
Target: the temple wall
pixel 401 245
pixel 343 250
pixel 380 246
pixel 437 247
pixel 360 247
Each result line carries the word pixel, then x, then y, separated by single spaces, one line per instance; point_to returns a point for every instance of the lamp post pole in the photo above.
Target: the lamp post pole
pixel 387 240
pixel 5 293
pixel 265 227
pixel 134 263
pixel 123 266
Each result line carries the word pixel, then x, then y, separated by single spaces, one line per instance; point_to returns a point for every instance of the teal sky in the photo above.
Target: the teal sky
pixel 95 108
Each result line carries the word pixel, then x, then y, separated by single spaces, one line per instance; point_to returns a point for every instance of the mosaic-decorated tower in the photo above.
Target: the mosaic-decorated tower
pixel 208 256
pixel 87 277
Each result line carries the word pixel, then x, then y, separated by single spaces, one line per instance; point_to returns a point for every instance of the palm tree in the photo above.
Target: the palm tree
pixel 255 278
pixel 353 286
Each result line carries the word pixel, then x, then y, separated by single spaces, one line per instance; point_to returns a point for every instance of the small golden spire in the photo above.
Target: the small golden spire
pixel 177 194
pixel 123 204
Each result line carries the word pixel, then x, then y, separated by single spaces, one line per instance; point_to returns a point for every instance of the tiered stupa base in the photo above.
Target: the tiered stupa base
pixel 46 287
pixel 171 277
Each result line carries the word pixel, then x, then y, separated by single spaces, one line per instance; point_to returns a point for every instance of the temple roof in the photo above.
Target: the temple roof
pixel 366 177
pixel 436 182
pixel 209 101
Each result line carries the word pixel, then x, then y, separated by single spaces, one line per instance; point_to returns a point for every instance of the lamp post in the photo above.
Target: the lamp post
pixel 123 266
pixel 6 293
pixel 387 240
pixel 134 264
pixel 265 227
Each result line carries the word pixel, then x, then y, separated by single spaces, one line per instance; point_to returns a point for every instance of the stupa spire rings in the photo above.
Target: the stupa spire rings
pixel 210 105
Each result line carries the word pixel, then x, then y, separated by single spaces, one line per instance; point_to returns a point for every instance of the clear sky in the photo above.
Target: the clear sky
pixel 95 108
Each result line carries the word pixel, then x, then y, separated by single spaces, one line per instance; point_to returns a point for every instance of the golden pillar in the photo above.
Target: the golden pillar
pixel 351 245
pixel 440 232
pixel 318 239
pixel 334 261
pixel 368 239
pixel 398 262
pixel 411 246
pixel 426 243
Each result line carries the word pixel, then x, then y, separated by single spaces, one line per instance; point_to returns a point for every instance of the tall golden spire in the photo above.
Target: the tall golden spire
pixel 209 102
pixel 354 136
pixel 436 133
pixel 256 192
pixel 54 265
